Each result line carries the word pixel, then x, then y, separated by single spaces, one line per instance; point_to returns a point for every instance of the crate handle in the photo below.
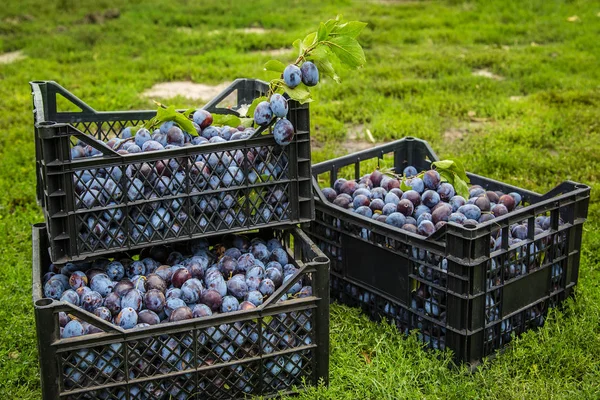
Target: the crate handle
pixel 44 100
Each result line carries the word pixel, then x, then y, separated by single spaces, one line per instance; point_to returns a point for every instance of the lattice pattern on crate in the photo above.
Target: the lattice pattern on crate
pixel 218 361
pixel 153 201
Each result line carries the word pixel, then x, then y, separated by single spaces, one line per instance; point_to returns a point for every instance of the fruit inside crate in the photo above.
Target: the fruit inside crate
pixel 194 318
pixel 465 287
pixel 105 186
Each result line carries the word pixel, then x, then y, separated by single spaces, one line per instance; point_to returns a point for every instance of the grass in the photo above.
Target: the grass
pixel 534 126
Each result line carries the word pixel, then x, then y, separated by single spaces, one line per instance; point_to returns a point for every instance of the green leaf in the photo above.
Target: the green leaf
pixel 226 119
pixel 444 164
pixel 348 50
pixel 308 41
pixel 300 93
pixel 326 69
pixel 247 122
pixel 322 33
pixel 257 100
pixel 403 186
pixel 189 112
pixel 461 187
pixel 275 66
pixel 185 124
pixel 297 45
pixel 351 29
pixel 333 22
pixel 166 114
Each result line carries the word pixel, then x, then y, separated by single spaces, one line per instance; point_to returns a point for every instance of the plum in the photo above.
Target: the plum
pixel 432 179
pixel 279 105
pixel 405 207
pixel 292 76
pixel 203 118
pixel 283 132
pixel 263 113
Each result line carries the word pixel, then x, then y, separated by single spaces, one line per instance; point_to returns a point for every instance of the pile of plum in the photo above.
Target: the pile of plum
pixel 133 293
pixel 426 207
pixel 173 180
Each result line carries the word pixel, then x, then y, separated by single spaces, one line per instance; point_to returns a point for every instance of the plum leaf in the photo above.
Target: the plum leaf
pixel 300 93
pixel 348 50
pixel 351 29
pixel 275 66
pixel 226 119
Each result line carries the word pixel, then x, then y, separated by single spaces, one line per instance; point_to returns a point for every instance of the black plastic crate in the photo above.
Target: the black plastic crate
pixel 162 196
pixel 458 293
pixel 144 365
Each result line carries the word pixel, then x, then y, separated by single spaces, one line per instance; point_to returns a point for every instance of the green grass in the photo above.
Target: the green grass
pixel 418 81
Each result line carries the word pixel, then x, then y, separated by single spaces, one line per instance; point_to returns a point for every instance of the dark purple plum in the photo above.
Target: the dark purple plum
pixel 389 183
pixel 457 217
pixel 405 207
pixel 389 209
pixel 181 314
pixel 519 232
pixel 175 136
pixel 377 205
pixel 343 200
pixel 439 225
pixel 348 187
pixel 492 196
pixel 153 281
pixel 165 272
pixel 329 194
pixel 483 202
pixel 180 276
pixel 260 252
pixel 337 185
pixel 486 217
pixel 148 317
pixel 413 196
pixel 378 193
pixel 246 305
pixel 203 118
pixel 123 286
pixel 154 300
pixel 135 268
pixel 275 275
pixel 508 202
pixel 212 299
pixel 376 177
pixel 410 227
pixel 191 290
pixel 499 210
pixel 360 201
pixel 431 179
pixel 201 310
pixel 442 213
pixel 113 303
pixel 426 228
pixel 446 191
pixel 228 266
pixel 430 198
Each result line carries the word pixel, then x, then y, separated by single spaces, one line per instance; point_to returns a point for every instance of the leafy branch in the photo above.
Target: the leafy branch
pixel 331 47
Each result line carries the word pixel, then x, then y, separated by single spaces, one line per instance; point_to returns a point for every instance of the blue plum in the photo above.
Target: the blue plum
pixel 409 171
pixel 230 304
pixel 432 179
pixel 470 211
pixel 430 198
pixel 279 105
pixel 127 318
pixel 426 228
pixel 292 76
pixel 283 132
pixel 396 219
pixel 446 191
pixel 263 113
pixel 72 329
pixel 456 202
pixel 203 118
pixel 310 74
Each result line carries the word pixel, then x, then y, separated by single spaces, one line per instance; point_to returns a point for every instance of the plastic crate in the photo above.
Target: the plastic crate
pixel 190 198
pixel 480 301
pixel 145 367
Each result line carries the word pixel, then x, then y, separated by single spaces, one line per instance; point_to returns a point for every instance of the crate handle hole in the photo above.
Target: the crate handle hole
pixel 580 186
pixel 321 260
pixel 470 226
pixel 43 302
pixel 409 138
pixel 47 123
